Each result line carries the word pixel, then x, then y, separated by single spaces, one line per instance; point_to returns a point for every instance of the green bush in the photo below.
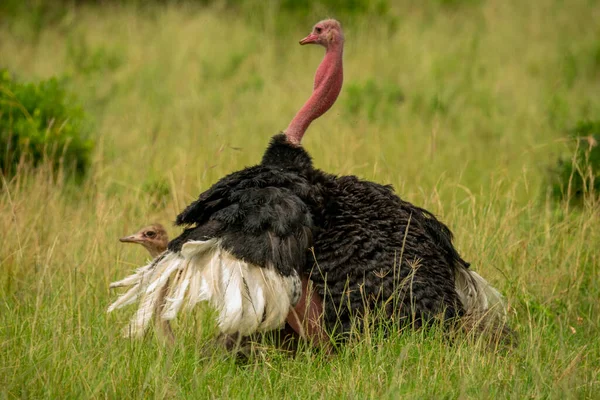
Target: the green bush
pixel 578 175
pixel 40 121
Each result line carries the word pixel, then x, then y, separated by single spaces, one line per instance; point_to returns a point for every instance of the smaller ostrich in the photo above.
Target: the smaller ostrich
pixel 155 239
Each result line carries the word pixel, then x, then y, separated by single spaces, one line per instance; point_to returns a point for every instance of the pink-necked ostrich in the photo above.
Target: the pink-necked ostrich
pixel 246 246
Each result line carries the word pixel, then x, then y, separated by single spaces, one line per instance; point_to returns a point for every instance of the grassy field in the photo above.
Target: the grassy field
pixel 461 106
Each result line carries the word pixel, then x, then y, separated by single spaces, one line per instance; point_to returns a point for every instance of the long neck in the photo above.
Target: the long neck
pixel 327 87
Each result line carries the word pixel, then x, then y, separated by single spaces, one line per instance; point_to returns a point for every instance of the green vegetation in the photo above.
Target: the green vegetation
pixel 577 178
pixel 461 105
pixel 376 102
pixel 41 122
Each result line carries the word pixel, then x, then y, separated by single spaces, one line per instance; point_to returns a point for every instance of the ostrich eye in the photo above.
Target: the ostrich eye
pixel 150 234
pixel 318 29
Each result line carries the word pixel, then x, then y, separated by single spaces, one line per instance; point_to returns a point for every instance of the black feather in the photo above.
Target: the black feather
pixel 371 249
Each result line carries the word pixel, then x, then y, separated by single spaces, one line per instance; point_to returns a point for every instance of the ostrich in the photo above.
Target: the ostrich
pixel 282 241
pixel 155 239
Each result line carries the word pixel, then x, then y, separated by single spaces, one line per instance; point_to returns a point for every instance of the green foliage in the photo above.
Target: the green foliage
pixel 377 101
pixel 40 121
pixel 581 61
pixel 88 60
pixel 349 7
pixel 40 13
pixel 578 175
pixel 457 3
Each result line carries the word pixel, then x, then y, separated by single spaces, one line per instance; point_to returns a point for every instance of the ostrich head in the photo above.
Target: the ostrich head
pixel 153 237
pixel 327 33
pixel 328 79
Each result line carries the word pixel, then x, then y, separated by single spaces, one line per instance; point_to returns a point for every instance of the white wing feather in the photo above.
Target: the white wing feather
pixel 247 298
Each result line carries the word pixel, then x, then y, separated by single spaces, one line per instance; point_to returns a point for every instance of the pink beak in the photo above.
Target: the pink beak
pixel 131 239
pixel 312 38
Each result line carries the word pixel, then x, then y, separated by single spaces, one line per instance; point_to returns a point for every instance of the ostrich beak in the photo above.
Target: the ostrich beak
pixel 131 239
pixel 312 38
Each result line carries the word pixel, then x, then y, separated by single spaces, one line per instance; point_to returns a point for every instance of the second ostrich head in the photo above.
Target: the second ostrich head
pixel 153 237
pixel 328 79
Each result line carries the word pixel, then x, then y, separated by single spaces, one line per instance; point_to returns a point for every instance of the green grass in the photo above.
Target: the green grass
pixel 461 106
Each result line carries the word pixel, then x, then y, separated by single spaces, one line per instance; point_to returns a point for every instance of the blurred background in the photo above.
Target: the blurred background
pixel 451 89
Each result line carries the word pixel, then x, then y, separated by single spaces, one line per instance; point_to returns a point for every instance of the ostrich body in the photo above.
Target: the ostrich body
pixel 246 245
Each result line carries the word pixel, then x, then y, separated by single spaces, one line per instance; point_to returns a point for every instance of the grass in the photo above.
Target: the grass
pixel 473 100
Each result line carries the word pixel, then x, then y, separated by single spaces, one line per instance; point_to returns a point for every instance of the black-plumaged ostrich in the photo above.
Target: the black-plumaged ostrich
pixel 258 239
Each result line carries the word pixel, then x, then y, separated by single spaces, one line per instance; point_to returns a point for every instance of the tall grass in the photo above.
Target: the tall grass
pixel 476 100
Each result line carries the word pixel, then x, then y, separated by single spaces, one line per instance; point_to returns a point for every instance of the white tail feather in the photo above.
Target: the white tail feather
pixel 477 296
pixel 179 289
pixel 247 298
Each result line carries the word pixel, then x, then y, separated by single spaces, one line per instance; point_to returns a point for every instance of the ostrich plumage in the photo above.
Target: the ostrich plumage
pixel 361 232
pixel 155 239
pixel 260 240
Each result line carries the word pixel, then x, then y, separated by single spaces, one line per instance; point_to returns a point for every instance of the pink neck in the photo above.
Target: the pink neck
pixel 327 86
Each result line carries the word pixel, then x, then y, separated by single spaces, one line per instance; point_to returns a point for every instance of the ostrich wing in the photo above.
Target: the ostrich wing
pixel 244 255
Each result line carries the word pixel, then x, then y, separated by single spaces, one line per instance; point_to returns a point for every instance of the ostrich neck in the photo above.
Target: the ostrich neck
pixel 327 87
pixel 155 252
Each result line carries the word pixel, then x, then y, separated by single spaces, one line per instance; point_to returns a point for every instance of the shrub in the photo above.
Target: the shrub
pixel 40 121
pixel 578 176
